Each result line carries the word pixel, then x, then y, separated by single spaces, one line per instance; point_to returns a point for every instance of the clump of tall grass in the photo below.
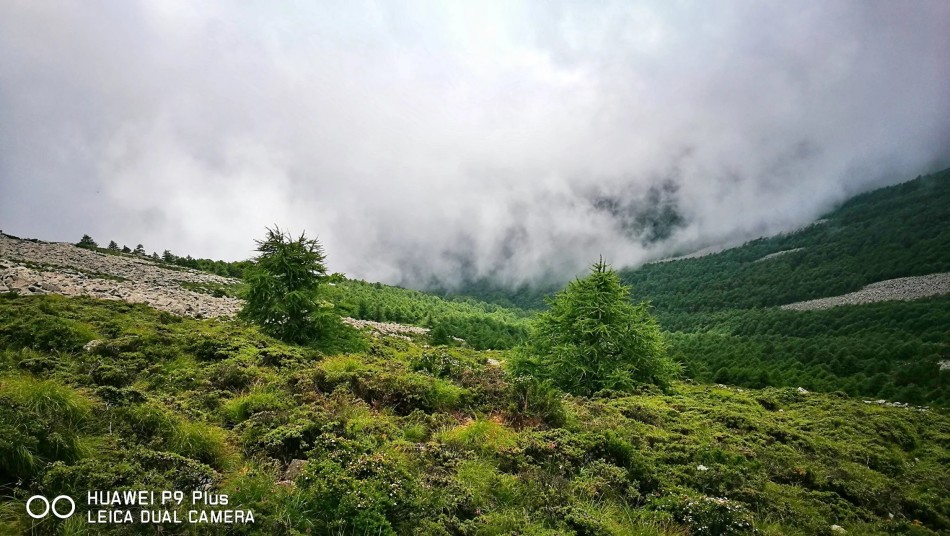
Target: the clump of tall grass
pixel 240 408
pixel 482 435
pixel 200 441
pixel 40 421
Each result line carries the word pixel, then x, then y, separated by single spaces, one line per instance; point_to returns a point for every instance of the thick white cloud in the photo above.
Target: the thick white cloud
pixel 450 139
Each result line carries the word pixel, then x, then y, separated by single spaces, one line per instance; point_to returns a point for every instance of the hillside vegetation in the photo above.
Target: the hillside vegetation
pixel 497 420
pixel 721 309
pixel 405 438
pixel 891 232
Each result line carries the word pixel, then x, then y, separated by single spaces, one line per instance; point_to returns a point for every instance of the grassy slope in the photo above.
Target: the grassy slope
pixel 409 439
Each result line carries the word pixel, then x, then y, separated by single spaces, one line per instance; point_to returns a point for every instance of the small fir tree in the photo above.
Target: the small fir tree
pixel 593 338
pixel 283 286
pixel 87 242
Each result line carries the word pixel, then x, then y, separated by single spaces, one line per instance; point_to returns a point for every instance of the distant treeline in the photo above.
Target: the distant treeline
pixel 888 350
pixel 482 325
pixel 223 268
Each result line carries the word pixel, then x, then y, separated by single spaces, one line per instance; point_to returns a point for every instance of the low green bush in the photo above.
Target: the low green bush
pixel 708 516
pixel 481 435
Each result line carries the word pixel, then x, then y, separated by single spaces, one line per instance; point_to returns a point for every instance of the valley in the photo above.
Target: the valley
pixel 121 371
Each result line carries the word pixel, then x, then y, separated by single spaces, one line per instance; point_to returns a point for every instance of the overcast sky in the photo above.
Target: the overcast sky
pixel 514 140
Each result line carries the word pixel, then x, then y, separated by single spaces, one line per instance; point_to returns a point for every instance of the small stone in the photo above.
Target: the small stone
pixel 294 469
pixel 838 529
pixel 51 287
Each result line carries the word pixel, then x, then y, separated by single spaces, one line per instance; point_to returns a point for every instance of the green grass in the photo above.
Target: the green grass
pixel 404 439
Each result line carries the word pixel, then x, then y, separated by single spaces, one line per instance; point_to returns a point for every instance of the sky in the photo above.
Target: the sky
pixel 426 142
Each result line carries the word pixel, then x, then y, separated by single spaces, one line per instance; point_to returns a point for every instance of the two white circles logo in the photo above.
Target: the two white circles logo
pixel 45 506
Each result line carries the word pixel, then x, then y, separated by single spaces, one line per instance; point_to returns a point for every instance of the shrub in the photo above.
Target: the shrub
pixel 28 328
pixel 125 468
pixel 529 398
pixel 164 430
pixel 285 439
pixel 440 363
pixel 353 490
pixel 482 435
pixel 708 516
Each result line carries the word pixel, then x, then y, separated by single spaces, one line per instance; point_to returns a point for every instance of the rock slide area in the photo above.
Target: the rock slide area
pixel 901 289
pixel 35 267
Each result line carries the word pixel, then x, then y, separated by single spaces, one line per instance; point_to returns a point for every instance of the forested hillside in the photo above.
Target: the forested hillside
pixel 481 325
pixel 891 232
pixel 720 309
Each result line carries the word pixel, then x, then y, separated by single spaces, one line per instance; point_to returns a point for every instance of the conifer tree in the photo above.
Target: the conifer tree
pixel 282 288
pixel 87 242
pixel 593 338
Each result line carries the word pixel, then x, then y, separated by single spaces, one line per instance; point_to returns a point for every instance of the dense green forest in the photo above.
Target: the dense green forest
pixel 892 232
pixel 481 325
pixel 889 350
pixel 401 437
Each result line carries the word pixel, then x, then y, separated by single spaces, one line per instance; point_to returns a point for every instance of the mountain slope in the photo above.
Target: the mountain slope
pixel 892 232
pixel 722 309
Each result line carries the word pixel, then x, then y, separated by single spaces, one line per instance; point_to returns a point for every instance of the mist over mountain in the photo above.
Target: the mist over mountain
pixel 439 143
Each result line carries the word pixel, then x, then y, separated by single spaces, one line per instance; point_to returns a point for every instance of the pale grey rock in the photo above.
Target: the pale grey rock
pixel 294 469
pixel 28 267
pixel 901 289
